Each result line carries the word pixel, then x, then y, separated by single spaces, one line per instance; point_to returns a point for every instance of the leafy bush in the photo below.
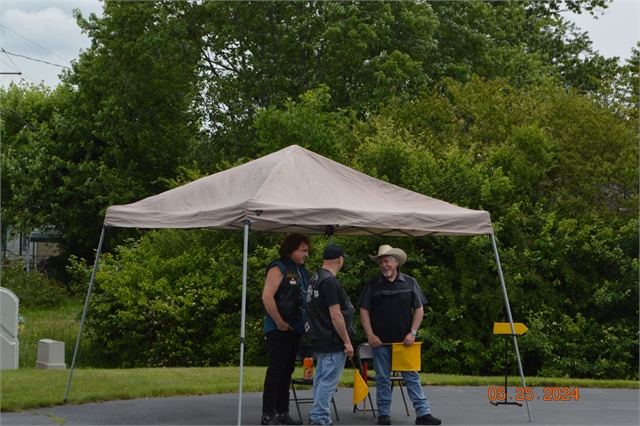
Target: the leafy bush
pixel 32 288
pixel 579 347
pixel 173 299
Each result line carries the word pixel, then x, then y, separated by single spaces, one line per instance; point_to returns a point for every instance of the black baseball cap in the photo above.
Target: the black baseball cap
pixel 333 251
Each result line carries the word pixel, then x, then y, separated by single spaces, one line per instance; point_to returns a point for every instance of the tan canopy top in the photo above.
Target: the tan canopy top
pixel 296 190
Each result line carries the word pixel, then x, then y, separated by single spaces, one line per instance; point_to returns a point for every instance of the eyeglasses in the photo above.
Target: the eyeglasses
pixel 389 292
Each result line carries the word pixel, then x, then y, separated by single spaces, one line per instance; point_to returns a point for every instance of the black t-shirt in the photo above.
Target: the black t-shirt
pixel 391 305
pixel 323 335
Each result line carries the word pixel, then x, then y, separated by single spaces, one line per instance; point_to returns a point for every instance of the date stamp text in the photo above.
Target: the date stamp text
pixel 549 393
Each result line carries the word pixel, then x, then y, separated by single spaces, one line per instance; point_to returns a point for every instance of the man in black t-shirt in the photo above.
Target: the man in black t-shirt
pixel 391 311
pixel 330 326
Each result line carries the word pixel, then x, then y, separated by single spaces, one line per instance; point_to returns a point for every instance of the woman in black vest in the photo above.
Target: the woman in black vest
pixel 286 281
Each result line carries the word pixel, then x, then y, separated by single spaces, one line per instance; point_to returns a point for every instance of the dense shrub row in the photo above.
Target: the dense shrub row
pixel 32 288
pixel 156 306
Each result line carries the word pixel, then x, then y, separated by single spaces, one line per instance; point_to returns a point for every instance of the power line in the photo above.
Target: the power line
pixel 33 42
pixel 26 57
pixel 33 59
pixel 19 120
pixel 10 65
pixel 15 67
pixel 124 80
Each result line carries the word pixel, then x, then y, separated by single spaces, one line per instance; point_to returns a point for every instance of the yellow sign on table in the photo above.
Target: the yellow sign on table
pixel 405 358
pixel 505 328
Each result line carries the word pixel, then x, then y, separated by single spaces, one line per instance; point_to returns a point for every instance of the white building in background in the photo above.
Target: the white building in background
pixel 31 248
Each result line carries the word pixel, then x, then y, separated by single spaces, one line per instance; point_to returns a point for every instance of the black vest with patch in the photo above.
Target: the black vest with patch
pixel 289 294
pixel 317 330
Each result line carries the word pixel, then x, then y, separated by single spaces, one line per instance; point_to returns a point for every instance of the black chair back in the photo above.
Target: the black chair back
pixel 305 350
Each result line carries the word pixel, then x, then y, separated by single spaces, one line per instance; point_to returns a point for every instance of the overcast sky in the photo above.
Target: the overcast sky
pixel 46 32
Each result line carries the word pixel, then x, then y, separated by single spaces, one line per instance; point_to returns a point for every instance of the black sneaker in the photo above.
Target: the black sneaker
pixel 285 419
pixel 428 419
pixel 384 420
pixel 269 419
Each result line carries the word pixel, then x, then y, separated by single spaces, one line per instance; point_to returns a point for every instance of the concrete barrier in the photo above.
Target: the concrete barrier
pixel 50 355
pixel 9 345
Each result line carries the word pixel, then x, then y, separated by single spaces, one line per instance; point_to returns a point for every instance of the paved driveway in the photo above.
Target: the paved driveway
pixel 455 405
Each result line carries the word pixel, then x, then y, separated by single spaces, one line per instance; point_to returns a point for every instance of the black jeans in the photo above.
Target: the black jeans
pixel 283 348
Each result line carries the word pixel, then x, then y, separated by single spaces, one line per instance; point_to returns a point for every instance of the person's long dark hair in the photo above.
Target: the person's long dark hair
pixel 292 242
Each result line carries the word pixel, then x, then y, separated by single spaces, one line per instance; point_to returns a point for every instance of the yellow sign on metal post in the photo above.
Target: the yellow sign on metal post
pixel 505 328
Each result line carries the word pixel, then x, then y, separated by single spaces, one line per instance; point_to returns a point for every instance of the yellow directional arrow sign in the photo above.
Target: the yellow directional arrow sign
pixel 505 328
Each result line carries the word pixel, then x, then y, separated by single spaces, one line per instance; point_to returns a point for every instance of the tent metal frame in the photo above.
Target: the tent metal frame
pixel 247 226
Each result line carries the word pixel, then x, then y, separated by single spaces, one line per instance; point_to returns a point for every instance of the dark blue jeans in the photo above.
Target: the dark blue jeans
pixel 382 363
pixel 283 348
pixel 325 383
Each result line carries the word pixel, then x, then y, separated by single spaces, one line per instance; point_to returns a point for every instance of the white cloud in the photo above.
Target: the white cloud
pixel 616 31
pixel 49 29
pixel 44 31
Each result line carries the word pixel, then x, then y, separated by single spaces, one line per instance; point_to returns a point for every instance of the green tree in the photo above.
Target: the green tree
pixel 172 85
pixel 116 130
pixel 307 122
pixel 528 42
pixel 626 87
pixel 259 55
pixel 558 173
pixel 27 112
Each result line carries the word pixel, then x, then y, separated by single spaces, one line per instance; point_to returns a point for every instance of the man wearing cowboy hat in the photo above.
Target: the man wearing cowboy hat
pixel 391 311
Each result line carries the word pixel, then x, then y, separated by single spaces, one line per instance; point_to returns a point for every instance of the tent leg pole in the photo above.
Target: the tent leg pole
pixel 513 330
pixel 84 313
pixel 247 224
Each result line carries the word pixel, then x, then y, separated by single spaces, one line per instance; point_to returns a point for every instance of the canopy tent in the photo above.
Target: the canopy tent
pixel 296 190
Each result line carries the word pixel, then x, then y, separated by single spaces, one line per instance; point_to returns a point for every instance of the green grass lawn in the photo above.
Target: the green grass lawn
pixel 60 323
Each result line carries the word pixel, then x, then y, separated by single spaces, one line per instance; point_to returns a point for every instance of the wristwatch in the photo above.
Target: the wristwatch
pixel 414 332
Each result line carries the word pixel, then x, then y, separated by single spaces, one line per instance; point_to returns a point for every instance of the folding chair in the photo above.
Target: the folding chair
pixel 364 356
pixel 305 351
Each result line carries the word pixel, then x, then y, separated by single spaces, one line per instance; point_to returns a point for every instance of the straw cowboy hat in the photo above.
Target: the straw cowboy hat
pixel 387 250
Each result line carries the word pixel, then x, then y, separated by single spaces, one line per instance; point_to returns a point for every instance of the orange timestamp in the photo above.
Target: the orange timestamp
pixel 549 393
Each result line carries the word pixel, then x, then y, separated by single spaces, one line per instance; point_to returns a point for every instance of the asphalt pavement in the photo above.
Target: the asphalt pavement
pixel 455 405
